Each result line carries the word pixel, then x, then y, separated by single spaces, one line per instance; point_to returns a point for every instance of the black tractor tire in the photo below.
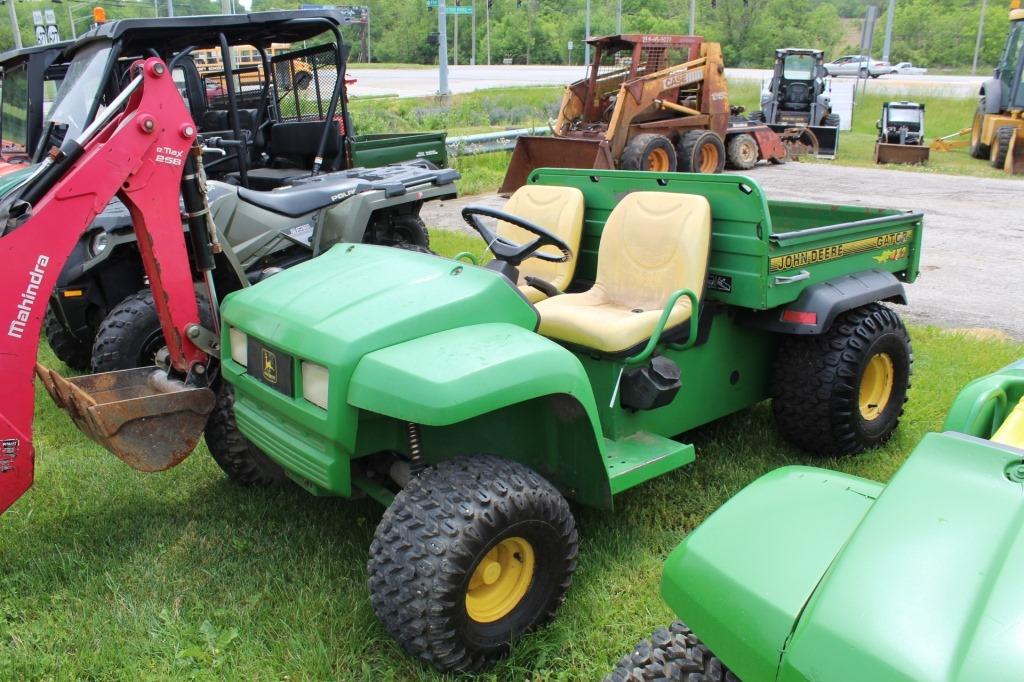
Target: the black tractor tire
pixel 741 152
pixel 700 151
pixel 399 228
pixel 649 152
pixel 999 151
pixel 672 654
pixel 130 336
pixel 757 116
pixel 823 386
pixel 69 350
pixel 434 539
pixel 243 462
pixel 977 148
pixel 830 121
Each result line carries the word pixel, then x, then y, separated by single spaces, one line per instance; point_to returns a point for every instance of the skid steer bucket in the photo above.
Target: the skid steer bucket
pixel 825 137
pixel 553 152
pixel 148 420
pixel 901 153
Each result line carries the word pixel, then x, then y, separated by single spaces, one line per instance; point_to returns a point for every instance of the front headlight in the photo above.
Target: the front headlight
pixel 98 243
pixel 314 383
pixel 239 346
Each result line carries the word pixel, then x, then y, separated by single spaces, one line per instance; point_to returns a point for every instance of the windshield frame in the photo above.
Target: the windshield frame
pixel 94 58
pixel 18 70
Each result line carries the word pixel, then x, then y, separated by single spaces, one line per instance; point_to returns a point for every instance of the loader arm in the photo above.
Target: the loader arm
pixel 137 155
pixel 644 95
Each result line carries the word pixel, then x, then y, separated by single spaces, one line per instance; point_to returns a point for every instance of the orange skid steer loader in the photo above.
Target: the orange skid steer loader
pixel 649 102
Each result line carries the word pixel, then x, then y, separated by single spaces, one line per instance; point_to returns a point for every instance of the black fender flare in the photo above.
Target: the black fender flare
pixel 827 300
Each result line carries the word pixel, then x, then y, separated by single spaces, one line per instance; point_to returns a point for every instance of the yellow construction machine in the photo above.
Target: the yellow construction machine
pixel 648 102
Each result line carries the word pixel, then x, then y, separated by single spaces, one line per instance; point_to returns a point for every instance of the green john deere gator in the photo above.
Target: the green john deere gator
pixel 914 580
pixel 620 310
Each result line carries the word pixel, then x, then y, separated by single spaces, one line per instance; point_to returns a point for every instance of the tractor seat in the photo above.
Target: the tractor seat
pixel 557 209
pixel 653 244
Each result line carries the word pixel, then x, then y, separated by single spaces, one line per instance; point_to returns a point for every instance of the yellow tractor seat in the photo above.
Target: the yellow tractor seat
pixel 558 210
pixel 653 244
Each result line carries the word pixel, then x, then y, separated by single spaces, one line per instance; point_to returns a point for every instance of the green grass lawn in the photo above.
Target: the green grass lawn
pixel 110 574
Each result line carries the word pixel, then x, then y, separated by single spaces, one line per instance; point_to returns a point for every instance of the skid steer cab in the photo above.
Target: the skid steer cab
pixel 620 309
pixel 840 592
pixel 901 134
pixel 141 149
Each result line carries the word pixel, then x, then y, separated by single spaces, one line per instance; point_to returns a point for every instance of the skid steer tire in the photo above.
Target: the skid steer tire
pixel 830 121
pixel 1001 146
pixel 130 336
pixel 700 151
pixel 757 116
pixel 649 152
pixel 68 349
pixel 843 391
pixel 473 553
pixel 976 147
pixel 742 152
pixel 671 654
pixel 243 462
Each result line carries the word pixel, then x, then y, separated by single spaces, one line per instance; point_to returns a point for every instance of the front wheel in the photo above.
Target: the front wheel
pixel 243 462
pixel 830 121
pixel 1000 148
pixel 473 553
pixel 672 654
pixel 68 349
pixel 842 392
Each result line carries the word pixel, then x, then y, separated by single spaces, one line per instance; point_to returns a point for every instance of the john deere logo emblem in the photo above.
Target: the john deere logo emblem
pixel 269 366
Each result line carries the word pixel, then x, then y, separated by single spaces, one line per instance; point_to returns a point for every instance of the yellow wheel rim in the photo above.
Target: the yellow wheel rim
pixel 708 158
pixel 658 160
pixel 876 386
pixel 500 580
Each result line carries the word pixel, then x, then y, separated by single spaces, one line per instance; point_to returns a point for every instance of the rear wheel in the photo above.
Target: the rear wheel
pixel 399 229
pixel 130 336
pixel 977 148
pixel 243 462
pixel 671 654
pixel 649 152
pixel 1001 146
pixel 473 553
pixel 843 391
pixel 69 350
pixel 742 151
pixel 701 151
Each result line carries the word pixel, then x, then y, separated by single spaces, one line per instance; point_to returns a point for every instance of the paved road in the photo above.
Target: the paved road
pixel 423 82
pixel 973 240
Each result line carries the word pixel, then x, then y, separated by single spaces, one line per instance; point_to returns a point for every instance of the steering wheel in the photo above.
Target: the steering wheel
pixel 508 251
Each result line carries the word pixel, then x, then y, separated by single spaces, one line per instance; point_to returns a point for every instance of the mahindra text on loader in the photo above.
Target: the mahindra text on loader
pixel 913 580
pixel 476 401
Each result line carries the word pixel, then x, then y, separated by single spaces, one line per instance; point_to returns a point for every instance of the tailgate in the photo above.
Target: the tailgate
pixel 371 151
pixel 813 243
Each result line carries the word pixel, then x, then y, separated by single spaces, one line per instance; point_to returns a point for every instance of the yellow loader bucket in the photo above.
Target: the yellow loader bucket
pixel 1015 155
pixel 553 152
pixel 901 153
pixel 148 420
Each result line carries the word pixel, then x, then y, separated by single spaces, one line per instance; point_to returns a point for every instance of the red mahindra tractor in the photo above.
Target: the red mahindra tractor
pixel 141 149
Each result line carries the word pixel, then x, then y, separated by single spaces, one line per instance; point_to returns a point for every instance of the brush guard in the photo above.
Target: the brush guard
pixel 137 150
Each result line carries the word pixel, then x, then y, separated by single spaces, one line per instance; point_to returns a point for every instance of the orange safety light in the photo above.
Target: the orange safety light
pixel 99 15
pixel 1014 4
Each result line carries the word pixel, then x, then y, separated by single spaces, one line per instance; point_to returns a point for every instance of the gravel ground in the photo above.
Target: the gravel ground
pixel 971 266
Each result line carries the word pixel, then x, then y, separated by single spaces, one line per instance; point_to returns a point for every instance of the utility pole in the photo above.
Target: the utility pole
pixel 442 50
pixel 488 10
pixel 529 29
pixel 15 29
pixel 472 42
pixel 981 32
pixel 887 43
pixel 693 16
pixel 170 8
pixel 455 59
pixel 618 16
pixel 586 45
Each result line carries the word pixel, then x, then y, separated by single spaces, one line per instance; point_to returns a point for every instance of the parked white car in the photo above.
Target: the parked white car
pixel 858 65
pixel 908 69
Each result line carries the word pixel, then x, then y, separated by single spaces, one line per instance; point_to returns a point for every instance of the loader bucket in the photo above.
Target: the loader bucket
pixel 901 153
pixel 819 141
pixel 148 420
pixel 1015 155
pixel 553 152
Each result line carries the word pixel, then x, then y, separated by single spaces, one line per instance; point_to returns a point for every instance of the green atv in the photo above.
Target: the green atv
pixel 914 580
pixel 476 401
